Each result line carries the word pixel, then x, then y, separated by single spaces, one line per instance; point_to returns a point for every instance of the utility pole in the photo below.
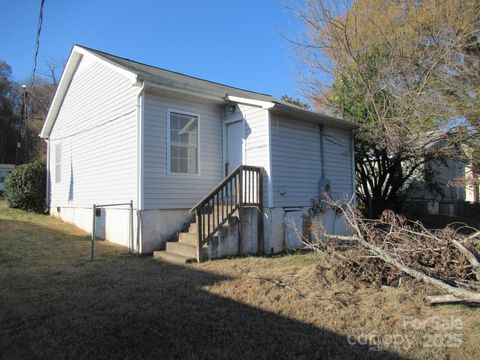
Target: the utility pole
pixel 22 129
pixel 25 120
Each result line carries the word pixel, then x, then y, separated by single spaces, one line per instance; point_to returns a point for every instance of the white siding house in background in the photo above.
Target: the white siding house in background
pixel 121 131
pixel 5 169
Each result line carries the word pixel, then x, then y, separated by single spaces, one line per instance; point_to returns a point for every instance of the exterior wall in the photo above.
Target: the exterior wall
pixel 97 132
pixel 226 242
pixel 296 162
pixel 433 195
pixel 275 226
pixel 112 224
pixel 175 191
pixel 297 170
pixel 256 151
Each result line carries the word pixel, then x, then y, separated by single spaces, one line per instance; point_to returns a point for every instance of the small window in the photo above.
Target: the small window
pixel 2 180
pixel 58 163
pixel 183 140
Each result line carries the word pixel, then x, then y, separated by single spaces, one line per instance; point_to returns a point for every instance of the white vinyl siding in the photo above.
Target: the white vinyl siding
pixel 163 190
pixel 256 142
pixel 96 127
pixel 296 161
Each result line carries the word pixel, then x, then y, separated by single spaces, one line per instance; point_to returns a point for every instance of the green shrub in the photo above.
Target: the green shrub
pixel 25 187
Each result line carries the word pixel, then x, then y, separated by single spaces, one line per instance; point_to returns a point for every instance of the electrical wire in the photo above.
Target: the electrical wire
pixel 94 127
pixel 37 41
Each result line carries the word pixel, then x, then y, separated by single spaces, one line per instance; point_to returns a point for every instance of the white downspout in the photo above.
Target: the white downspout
pixel 47 194
pixel 140 158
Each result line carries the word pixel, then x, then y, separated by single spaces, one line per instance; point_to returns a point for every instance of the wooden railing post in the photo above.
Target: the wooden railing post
pixel 231 195
pixel 94 235
pixel 199 234
pixel 240 210
pixel 261 229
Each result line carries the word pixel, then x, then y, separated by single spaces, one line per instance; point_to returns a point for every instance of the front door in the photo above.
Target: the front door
pixel 234 133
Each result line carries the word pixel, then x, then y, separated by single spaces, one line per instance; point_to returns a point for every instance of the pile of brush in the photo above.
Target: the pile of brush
pixel 385 250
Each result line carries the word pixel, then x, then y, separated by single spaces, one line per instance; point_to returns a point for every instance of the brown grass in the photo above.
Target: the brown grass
pixel 55 303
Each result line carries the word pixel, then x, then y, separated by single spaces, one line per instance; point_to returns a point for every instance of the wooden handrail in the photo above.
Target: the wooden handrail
pixel 242 187
pixel 223 182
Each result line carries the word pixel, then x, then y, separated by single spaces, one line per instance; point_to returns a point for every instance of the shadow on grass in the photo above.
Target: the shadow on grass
pixel 127 307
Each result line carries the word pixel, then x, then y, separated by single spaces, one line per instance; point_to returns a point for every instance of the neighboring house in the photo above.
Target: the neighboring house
pixel 447 187
pixel 121 131
pixel 5 169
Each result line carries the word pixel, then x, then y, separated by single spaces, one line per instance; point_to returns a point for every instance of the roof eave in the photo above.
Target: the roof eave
pixel 312 116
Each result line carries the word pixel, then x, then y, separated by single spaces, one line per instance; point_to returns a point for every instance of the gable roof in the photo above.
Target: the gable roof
pixel 159 78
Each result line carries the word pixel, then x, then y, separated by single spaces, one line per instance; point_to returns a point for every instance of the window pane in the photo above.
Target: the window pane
pixel 174 165
pixel 183 143
pixel 173 136
pixel 174 122
pixel 174 151
pixel 183 152
pixel 183 138
pixel 183 165
pixel 192 166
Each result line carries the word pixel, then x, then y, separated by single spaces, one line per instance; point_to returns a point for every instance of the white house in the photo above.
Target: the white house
pixel 448 186
pixel 121 131
pixel 5 169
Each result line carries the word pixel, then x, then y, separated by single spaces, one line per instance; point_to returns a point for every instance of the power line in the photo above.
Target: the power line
pixel 83 131
pixel 37 42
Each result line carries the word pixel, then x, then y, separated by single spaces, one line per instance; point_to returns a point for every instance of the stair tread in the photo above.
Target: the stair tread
pixel 181 243
pixel 172 257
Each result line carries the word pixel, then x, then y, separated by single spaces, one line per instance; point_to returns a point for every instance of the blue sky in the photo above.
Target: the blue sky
pixel 237 42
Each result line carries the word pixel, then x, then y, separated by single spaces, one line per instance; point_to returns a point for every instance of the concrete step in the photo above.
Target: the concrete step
pixel 183 249
pixel 190 238
pixel 172 257
pixel 193 228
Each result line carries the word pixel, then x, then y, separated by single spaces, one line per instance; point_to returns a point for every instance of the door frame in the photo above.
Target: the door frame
pixel 224 125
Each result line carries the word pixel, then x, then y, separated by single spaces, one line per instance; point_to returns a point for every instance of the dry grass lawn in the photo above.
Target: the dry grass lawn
pixel 56 304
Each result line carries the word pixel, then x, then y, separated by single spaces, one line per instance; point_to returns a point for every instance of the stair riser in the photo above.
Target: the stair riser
pixel 173 258
pixel 188 238
pixel 182 249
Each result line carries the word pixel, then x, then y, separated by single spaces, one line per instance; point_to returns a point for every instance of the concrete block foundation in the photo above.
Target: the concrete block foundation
pixel 159 226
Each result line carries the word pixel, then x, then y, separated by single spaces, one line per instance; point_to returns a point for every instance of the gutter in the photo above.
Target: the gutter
pixel 140 141
pixel 312 116
pixel 140 157
pixel 199 94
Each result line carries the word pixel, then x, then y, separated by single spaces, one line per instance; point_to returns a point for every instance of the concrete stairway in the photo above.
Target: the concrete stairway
pixel 183 250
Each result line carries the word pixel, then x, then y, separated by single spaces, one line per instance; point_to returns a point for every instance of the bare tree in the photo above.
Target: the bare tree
pixel 40 93
pixel 396 68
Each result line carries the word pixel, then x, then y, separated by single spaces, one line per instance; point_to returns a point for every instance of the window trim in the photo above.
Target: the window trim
pixel 182 112
pixel 58 163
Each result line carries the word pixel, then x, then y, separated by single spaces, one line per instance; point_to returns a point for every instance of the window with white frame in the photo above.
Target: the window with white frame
pixel 58 163
pixel 183 140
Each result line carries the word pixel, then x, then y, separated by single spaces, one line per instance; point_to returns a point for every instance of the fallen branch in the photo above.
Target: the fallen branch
pixel 445 299
pixel 460 294
pixel 473 236
pixel 384 249
pixel 472 259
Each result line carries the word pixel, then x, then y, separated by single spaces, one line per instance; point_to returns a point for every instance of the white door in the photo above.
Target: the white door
pixel 234 133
